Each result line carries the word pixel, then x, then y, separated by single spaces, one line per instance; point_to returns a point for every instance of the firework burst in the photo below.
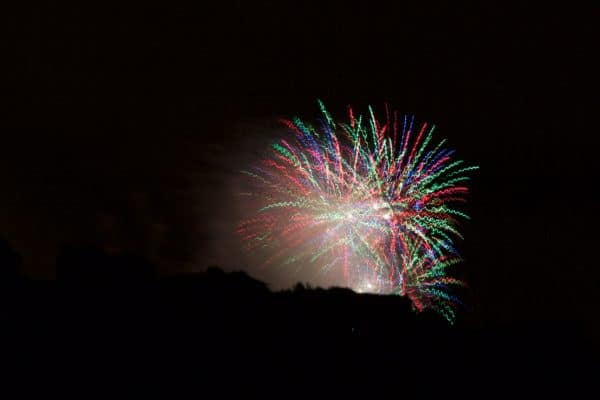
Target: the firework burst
pixel 374 200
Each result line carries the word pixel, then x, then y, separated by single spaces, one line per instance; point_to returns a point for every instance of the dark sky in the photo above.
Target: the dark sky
pixel 124 127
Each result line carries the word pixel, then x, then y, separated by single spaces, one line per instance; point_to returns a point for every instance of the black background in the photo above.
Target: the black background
pixel 110 109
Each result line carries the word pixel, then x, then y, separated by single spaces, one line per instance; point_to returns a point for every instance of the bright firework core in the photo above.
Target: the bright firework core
pixel 367 200
pixel 350 213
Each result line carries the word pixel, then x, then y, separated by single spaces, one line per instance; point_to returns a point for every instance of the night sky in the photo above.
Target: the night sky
pixel 125 128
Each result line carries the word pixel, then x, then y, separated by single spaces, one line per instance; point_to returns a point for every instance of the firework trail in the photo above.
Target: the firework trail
pixel 371 199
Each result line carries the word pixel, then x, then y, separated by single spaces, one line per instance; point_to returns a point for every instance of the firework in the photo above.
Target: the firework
pixel 372 201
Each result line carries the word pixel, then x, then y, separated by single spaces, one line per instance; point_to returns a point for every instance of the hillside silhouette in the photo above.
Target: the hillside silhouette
pixel 111 324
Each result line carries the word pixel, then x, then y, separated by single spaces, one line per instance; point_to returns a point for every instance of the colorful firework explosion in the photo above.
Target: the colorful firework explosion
pixel 370 199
